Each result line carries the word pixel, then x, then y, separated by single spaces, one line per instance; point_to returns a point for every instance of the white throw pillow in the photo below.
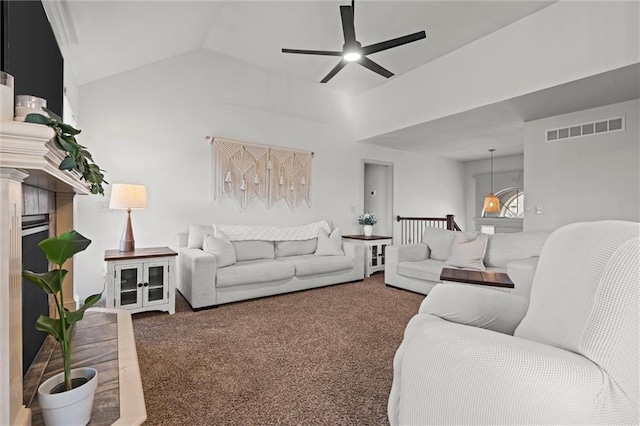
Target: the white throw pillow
pixel 329 245
pixel 467 254
pixel 221 248
pixel 439 241
pixel 196 235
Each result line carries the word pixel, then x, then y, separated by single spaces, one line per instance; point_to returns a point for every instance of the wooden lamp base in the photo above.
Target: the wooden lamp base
pixel 127 243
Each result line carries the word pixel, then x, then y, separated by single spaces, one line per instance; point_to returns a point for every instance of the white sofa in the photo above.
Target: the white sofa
pixel 263 266
pixel 417 267
pixel 570 358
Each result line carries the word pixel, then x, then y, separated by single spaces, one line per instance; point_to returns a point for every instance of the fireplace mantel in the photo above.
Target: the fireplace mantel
pixel 27 155
pixel 28 147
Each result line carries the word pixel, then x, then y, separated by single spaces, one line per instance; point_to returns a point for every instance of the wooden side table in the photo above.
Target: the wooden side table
pixel 141 280
pixel 374 251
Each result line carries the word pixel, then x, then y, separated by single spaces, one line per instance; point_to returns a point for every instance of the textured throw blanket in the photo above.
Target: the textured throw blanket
pixel 272 233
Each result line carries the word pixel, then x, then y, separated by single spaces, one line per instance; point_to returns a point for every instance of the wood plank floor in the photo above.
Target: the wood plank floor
pixel 95 344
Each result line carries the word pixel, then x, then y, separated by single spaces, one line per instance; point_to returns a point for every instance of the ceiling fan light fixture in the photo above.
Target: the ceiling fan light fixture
pixel 353 51
pixel 352 56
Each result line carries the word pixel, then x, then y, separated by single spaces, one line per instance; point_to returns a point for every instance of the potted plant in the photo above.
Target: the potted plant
pixel 368 220
pixel 78 158
pixel 66 398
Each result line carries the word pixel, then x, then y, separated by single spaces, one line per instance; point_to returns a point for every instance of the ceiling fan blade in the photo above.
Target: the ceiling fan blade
pixel 368 63
pixel 313 52
pixel 348 29
pixel 334 71
pixel 384 45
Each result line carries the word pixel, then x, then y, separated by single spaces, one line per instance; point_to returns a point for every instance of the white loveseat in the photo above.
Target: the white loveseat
pixel 417 267
pixel 572 359
pixel 266 261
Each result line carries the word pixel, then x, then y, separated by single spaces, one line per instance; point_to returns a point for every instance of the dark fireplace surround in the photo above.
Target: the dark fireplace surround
pixel 35 302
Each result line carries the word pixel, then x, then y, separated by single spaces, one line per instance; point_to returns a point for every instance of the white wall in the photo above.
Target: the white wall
pixel 147 126
pixel 563 42
pixel 426 187
pixel 71 87
pixel 583 179
pixel 501 165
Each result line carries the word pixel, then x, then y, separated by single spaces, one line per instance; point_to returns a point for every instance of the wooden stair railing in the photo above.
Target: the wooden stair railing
pixel 412 228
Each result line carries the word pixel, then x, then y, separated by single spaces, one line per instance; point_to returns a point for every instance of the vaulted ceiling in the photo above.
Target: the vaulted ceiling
pixel 104 38
pixel 116 36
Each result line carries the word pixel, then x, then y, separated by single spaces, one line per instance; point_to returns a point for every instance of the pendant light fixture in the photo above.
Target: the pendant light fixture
pixel 491 202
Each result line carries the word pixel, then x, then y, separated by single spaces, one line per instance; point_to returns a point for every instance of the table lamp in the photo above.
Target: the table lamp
pixel 125 196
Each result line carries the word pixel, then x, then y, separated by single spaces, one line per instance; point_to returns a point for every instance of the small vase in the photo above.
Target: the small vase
pixel 368 230
pixel 70 407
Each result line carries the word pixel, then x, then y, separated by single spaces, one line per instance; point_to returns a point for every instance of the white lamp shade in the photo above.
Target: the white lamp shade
pixel 128 196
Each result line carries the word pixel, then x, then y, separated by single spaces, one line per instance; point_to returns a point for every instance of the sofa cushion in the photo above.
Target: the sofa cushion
pixel 296 248
pixel 196 235
pixel 313 265
pixel 253 272
pixel 221 248
pixel 253 250
pixel 428 269
pixel 329 245
pixel 467 254
pixel 439 241
pixel 503 248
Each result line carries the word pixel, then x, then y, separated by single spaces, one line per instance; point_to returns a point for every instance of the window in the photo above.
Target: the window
pixel 512 204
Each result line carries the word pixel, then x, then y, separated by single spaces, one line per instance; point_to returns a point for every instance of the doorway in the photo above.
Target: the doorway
pixel 378 194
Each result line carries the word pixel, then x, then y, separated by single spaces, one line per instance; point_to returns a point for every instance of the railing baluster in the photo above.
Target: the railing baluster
pixel 412 228
pixel 413 231
pixel 407 235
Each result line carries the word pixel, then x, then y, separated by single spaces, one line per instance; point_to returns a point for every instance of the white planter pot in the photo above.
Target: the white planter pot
pixel 368 230
pixel 69 408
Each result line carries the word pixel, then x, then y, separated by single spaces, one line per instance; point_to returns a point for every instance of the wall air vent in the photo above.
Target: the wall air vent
pixel 587 129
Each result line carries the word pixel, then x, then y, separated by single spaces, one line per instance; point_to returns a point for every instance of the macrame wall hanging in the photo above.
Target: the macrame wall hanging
pixel 246 171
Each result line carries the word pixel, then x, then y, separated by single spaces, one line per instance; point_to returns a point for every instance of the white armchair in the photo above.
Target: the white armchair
pixel 573 359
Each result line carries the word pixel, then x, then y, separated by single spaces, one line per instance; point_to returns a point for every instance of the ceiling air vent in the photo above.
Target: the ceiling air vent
pixel 586 129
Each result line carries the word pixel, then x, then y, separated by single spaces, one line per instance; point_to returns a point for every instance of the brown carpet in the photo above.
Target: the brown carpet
pixel 321 356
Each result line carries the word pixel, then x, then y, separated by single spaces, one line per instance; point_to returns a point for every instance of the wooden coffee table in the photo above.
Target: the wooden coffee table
pixel 494 279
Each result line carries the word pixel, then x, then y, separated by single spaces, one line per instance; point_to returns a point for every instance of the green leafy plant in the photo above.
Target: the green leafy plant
pixel 58 250
pixel 78 158
pixel 368 219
